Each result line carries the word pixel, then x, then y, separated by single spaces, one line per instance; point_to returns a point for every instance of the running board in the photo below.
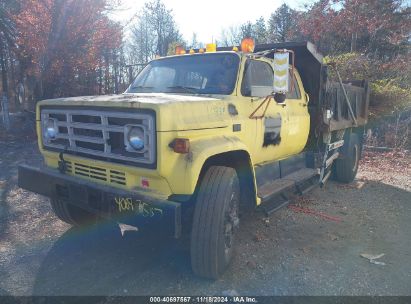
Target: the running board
pixel 298 182
pixel 275 204
pixel 269 191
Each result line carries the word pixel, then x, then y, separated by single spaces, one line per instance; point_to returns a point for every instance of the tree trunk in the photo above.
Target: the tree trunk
pixel 106 74
pixel 4 99
pixel 354 42
pixel 14 86
pixel 100 78
pixel 115 67
pixel 130 74
pixel 58 24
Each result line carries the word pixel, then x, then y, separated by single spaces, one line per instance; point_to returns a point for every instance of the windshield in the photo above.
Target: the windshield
pixel 194 74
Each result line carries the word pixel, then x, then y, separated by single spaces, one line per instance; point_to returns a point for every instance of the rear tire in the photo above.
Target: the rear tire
pixel 215 222
pixel 72 214
pixel 345 169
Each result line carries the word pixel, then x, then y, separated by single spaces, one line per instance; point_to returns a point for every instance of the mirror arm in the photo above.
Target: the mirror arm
pixel 307 97
pixel 266 101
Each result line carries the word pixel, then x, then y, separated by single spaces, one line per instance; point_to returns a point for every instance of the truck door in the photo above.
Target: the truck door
pixel 296 105
pixel 281 129
pixel 270 121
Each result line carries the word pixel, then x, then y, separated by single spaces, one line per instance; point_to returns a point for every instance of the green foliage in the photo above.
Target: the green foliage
pixel 386 95
pixel 247 30
pixel 282 23
pixel 351 66
pixel 260 31
pixel 389 90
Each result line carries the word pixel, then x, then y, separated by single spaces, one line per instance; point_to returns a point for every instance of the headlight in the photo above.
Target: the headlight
pixel 51 129
pixel 135 137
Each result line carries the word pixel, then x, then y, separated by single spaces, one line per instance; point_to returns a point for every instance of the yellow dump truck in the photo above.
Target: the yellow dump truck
pixel 197 138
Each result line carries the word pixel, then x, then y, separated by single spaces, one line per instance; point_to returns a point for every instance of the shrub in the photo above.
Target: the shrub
pixel 387 95
pixel 389 81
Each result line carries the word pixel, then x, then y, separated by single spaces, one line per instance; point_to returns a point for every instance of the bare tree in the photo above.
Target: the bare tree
pixel 7 40
pixel 194 43
pixel 154 31
pixel 231 36
pixel 234 34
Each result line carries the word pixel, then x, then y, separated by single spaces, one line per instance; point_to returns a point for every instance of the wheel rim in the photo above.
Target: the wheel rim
pixel 231 223
pixel 355 157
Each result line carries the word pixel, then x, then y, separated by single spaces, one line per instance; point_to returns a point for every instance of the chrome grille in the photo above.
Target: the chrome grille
pixel 99 133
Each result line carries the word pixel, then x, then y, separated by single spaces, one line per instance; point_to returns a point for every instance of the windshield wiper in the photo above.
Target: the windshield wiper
pixel 185 89
pixel 140 87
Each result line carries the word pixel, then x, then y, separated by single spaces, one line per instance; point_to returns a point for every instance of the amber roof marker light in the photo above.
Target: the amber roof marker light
pixel 180 50
pixel 247 45
pixel 211 47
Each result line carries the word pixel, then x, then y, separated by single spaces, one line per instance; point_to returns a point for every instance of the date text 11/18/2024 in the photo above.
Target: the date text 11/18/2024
pixel 204 299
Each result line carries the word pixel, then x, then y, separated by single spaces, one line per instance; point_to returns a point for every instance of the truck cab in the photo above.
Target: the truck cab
pixel 196 138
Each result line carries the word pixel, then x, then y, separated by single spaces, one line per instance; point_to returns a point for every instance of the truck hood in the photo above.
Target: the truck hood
pixel 173 112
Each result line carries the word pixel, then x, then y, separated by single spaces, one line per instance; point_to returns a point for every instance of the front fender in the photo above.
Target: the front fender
pixel 201 150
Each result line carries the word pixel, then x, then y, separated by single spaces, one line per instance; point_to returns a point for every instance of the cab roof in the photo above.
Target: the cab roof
pixel 308 61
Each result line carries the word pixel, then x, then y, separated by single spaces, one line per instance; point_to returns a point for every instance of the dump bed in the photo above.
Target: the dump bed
pixel 339 105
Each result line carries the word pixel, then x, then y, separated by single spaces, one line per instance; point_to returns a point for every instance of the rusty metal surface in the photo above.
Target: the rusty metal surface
pixel 335 100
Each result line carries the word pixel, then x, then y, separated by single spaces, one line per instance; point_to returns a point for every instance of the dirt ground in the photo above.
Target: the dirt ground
pixel 314 252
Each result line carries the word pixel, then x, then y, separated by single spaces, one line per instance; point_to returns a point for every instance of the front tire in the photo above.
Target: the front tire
pixel 215 222
pixel 72 214
pixel 345 169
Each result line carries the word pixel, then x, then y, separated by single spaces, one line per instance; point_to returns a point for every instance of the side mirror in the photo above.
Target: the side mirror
pixel 281 71
pixel 279 97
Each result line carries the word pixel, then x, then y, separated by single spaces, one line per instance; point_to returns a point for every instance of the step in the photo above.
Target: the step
pixel 280 201
pixel 268 191
pixel 331 159
pixel 335 145
pixel 301 175
pixel 325 178
pixel 288 182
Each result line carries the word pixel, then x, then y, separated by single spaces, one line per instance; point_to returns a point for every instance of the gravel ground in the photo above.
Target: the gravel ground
pixel 289 253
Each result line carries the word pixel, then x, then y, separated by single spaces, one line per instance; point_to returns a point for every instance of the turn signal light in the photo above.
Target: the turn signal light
pixel 180 145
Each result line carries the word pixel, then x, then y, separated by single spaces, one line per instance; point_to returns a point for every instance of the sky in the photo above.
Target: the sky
pixel 207 18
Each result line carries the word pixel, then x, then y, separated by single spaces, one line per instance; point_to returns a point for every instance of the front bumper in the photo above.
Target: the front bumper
pixel 142 209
